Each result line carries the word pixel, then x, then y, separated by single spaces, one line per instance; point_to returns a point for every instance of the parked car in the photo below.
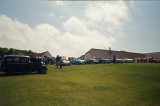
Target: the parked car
pixel 74 62
pixel 78 61
pixel 152 60
pixel 108 60
pixel 119 60
pixel 19 63
pixel 102 61
pixel 0 65
pixel 89 61
pixel 142 60
pixel 66 63
pixel 128 60
pixel 96 61
pixel 105 61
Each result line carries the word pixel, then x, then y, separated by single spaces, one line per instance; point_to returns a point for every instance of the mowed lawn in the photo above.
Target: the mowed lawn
pixel 132 84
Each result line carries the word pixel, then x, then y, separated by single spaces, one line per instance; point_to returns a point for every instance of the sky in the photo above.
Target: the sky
pixel 71 28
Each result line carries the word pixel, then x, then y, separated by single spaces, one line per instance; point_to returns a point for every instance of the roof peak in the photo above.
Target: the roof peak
pixel 96 49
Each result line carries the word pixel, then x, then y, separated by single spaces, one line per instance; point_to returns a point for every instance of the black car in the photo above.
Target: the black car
pixel 0 63
pixel 18 63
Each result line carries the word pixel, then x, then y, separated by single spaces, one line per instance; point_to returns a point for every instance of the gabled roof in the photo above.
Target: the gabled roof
pixel 41 54
pixel 82 56
pixel 98 52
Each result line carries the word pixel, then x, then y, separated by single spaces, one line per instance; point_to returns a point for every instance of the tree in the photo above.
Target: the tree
pixel 3 51
pixel 10 51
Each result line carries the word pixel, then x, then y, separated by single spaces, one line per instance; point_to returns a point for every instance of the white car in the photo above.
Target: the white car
pixel 66 63
pixel 119 60
pixel 95 61
pixel 108 60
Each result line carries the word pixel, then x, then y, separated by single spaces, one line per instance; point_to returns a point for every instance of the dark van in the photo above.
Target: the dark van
pixel 18 63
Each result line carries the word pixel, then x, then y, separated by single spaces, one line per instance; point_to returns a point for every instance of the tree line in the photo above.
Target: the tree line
pixel 12 51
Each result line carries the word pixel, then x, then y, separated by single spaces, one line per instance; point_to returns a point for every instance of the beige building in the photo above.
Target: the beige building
pixel 100 53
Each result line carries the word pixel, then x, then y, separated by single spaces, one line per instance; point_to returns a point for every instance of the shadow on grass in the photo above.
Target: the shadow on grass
pixel 16 74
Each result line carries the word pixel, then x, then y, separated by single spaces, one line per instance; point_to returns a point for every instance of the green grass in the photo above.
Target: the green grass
pixel 133 84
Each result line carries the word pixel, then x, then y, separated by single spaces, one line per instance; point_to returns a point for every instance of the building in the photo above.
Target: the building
pixel 153 55
pixel 46 57
pixel 100 53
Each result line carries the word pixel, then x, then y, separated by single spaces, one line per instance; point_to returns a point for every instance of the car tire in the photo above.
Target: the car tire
pixel 42 71
pixel 10 72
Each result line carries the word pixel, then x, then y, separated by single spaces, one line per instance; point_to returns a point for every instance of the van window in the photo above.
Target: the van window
pixel 23 59
pixel 9 59
pixel 16 59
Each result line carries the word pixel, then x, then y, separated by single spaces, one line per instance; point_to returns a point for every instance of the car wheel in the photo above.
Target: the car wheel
pixel 42 71
pixel 10 72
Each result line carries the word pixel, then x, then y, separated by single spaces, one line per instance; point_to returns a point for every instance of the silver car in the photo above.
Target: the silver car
pixel 66 63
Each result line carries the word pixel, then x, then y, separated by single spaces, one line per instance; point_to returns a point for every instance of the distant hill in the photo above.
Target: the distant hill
pixel 12 51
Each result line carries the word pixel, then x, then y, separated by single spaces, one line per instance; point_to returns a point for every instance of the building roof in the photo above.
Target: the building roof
pixel 41 54
pixel 96 53
pixel 82 56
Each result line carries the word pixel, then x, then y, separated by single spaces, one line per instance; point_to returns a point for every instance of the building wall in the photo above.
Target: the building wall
pixel 154 55
pixel 123 55
pixel 87 56
pixel 47 54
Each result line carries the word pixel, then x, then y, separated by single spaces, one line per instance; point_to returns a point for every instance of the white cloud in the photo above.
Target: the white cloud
pixel 121 35
pixel 100 27
pixel 61 17
pixel 46 37
pixel 59 3
pixel 21 36
pixel 109 15
pixel 75 25
pixel 83 38
pixel 51 14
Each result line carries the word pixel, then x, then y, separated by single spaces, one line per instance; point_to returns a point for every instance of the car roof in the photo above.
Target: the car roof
pixel 15 56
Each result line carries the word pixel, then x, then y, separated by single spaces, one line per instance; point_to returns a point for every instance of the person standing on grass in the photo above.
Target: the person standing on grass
pixel 114 59
pixel 60 62
pixel 57 60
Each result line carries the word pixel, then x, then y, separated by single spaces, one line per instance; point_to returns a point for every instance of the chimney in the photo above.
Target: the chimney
pixel 110 51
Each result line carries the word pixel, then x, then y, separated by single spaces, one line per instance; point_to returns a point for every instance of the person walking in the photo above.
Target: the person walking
pixel 57 60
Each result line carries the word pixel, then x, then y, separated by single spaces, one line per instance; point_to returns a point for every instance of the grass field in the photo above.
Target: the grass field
pixel 133 84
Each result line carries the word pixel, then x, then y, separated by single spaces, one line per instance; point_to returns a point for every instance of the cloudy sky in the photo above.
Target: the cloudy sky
pixel 71 28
